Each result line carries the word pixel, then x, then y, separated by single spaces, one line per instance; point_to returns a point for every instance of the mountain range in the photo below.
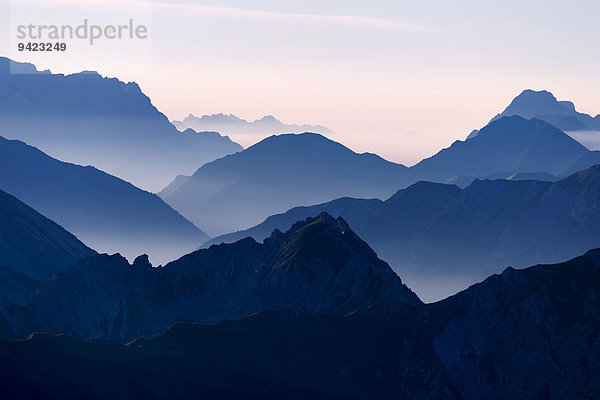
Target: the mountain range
pixel 441 238
pixel 531 333
pixel 318 266
pixel 86 119
pixel 543 105
pixel 103 211
pixel 507 145
pixel 232 125
pixel 280 172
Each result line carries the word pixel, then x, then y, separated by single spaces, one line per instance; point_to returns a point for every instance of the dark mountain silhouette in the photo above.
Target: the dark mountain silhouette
pixel 32 245
pixel 105 212
pixel 280 172
pixel 318 266
pixel 440 238
pixel 232 125
pixel 463 181
pixel 543 105
pixel 508 145
pixel 530 333
pixel 88 119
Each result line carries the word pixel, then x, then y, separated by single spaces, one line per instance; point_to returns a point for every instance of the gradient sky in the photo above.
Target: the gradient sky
pixel 399 78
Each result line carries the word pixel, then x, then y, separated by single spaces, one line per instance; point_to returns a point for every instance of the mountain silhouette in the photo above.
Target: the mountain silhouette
pixel 232 125
pixel 105 212
pixel 529 333
pixel 284 171
pixel 88 119
pixel 280 172
pixel 510 144
pixel 440 238
pixel 544 106
pixel 32 245
pixel 319 266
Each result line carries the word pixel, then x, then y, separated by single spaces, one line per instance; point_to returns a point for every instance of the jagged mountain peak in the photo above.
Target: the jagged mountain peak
pixel 318 266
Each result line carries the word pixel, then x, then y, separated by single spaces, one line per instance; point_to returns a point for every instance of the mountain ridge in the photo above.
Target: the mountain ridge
pixel 318 266
pixel 106 212
pixel 85 118
pixel 463 235
pixel 516 332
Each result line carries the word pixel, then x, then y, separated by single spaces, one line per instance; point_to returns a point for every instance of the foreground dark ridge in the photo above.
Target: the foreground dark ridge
pixel 318 266
pixel 529 333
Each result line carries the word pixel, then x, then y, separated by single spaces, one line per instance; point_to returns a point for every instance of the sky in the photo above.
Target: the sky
pixel 399 78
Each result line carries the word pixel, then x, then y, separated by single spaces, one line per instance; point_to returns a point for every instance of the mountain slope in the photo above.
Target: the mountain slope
pixel 285 171
pixel 530 333
pixel 276 174
pixel 32 245
pixel 318 266
pixel 105 212
pixel 544 106
pixel 440 238
pixel 510 144
pixel 88 119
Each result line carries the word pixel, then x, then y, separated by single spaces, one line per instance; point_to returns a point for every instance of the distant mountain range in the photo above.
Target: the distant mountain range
pixel 529 333
pixel 88 119
pixel 232 125
pixel 440 238
pixel 105 212
pixel 280 172
pixel 274 175
pixel 318 266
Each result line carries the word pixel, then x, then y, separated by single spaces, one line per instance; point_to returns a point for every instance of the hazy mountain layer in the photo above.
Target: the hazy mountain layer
pixel 32 245
pixel 532 333
pixel 283 171
pixel 88 119
pixel 280 172
pixel 510 144
pixel 440 238
pixel 232 125
pixel 105 212
pixel 543 105
pixel 318 266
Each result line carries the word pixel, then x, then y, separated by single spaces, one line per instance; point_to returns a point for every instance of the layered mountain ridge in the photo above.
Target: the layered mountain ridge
pixel 239 191
pixel 440 238
pixel 318 266
pixel 232 125
pixel 87 119
pixel 103 211
pixel 515 334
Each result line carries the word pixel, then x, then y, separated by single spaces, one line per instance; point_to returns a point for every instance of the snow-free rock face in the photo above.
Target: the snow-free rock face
pixel 318 266
pixel 531 334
